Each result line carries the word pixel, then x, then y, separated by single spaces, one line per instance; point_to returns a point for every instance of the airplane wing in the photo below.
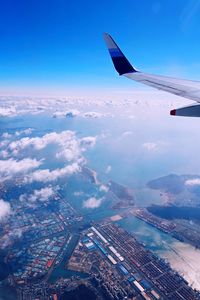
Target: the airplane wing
pixel 181 87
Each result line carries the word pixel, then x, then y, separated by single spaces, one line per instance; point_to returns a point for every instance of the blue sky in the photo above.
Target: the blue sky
pixel 56 46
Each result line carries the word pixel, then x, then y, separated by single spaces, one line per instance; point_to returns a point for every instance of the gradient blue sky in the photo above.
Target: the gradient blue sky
pixel 56 46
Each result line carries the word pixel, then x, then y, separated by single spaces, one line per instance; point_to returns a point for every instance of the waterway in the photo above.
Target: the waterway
pixel 182 257
pixel 7 292
pixel 60 271
pixel 154 239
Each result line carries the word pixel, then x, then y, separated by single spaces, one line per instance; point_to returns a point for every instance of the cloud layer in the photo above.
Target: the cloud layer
pixel 68 150
pixel 71 147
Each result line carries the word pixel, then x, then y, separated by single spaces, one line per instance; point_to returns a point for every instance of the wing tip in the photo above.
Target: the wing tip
pixel 173 112
pixel 121 64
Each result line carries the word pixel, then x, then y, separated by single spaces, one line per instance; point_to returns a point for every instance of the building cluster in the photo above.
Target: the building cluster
pixel 39 258
pixel 36 237
pixel 183 230
pixel 113 262
pixel 121 267
pixel 45 291
pixel 164 225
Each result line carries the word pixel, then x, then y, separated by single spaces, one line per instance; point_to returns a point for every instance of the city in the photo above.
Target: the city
pixel 57 251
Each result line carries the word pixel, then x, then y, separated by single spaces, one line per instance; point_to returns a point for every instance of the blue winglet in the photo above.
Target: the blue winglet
pixel 121 63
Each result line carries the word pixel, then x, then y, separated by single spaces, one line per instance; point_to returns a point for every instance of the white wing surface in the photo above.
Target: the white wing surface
pixel 181 87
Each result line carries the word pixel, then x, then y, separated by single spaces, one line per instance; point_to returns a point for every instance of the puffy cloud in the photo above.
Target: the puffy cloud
pixel 150 146
pixel 74 113
pixel 39 143
pixel 4 154
pixel 103 188
pixel 127 133
pixel 68 114
pixel 7 111
pixel 192 182
pixel 58 114
pixel 26 131
pixel 70 145
pixel 105 134
pixel 71 150
pixel 18 105
pixel 46 175
pixel 5 209
pixel 108 169
pixel 6 135
pixel 7 239
pixel 93 114
pixel 92 202
pixel 4 143
pixel 155 146
pixel 69 154
pixel 77 194
pixel 89 141
pixel 11 167
pixel 42 195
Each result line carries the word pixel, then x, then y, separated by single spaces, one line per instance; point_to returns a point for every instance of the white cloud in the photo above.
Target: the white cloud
pixel 70 150
pixel 127 133
pixel 42 195
pixel 70 146
pixel 77 194
pixel 103 188
pixel 6 135
pixel 11 167
pixel 4 143
pixel 39 143
pixel 8 238
pixel 18 105
pixel 156 146
pixel 68 114
pixel 5 209
pixel 74 113
pixel 92 202
pixel 150 146
pixel 93 114
pixel 108 169
pixel 58 114
pixel 192 182
pixel 89 141
pixel 46 175
pixel 4 154
pixel 26 131
pixel 7 111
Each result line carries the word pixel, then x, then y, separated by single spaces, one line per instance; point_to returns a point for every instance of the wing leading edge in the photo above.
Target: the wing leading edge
pixel 181 87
